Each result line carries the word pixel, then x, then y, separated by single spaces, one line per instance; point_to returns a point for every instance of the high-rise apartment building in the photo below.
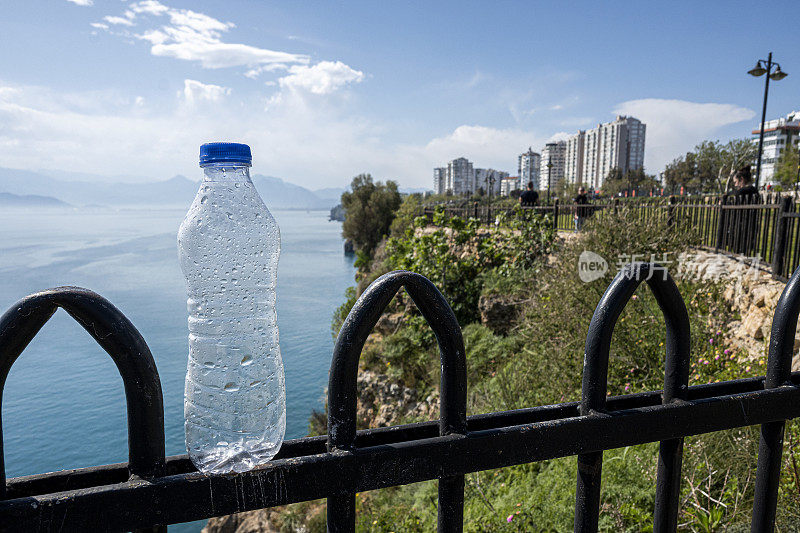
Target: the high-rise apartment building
pixel 573 158
pixel 551 168
pixel 439 180
pixel 618 144
pixel 528 168
pixel 778 135
pixel 489 180
pixel 460 176
pixel 509 184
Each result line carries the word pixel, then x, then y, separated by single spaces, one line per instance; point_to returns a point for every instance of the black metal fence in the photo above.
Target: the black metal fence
pixel 150 490
pixel 757 229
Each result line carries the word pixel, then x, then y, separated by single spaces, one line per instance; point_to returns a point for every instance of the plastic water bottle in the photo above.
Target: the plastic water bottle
pixel 234 402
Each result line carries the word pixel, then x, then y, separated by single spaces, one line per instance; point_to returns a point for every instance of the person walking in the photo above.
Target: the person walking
pixel 529 198
pixel 745 220
pixel 582 208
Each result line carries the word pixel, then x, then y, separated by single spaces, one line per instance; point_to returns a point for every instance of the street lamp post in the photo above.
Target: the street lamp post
pixel 549 169
pixel 764 67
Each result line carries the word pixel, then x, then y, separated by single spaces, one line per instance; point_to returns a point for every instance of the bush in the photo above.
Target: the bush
pixel 456 255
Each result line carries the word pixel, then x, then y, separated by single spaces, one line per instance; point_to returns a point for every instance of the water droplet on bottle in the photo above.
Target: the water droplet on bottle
pixel 247 360
pixel 231 386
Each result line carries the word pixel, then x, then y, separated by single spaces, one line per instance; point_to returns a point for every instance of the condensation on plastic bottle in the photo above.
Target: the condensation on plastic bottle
pixel 228 244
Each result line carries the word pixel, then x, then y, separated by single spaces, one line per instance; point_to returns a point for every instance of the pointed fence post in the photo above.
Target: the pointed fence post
pixel 555 215
pixel 779 238
pixel 720 240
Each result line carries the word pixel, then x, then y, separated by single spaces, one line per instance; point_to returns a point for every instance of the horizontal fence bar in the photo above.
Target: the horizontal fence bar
pixel 384 457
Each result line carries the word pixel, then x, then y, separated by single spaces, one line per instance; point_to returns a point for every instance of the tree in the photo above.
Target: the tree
pixel 710 167
pixel 787 168
pixel 709 161
pixel 632 180
pixel 369 210
pixel 737 153
pixel 614 183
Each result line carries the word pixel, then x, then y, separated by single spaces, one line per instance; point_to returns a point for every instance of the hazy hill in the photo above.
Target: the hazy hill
pixel 29 200
pixel 177 191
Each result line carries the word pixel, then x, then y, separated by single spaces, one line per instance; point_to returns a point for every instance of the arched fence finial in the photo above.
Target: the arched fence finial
pixel 120 339
pixel 343 394
pixel 779 365
pixel 595 386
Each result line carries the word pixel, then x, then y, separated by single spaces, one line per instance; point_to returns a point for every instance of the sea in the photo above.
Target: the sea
pixel 63 404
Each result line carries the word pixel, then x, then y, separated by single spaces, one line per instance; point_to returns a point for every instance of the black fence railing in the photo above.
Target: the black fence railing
pixel 150 491
pixel 756 229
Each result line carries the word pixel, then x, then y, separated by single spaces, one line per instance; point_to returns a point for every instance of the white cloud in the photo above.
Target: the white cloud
pixel 123 21
pixel 151 7
pixel 560 136
pixel 82 2
pixel 486 147
pixel 323 78
pixel 59 132
pixel 195 91
pixel 194 36
pixel 256 72
pixel 99 25
pixel 314 142
pixel 676 126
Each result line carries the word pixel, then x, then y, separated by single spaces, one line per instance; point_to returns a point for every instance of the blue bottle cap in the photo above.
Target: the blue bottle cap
pixel 225 153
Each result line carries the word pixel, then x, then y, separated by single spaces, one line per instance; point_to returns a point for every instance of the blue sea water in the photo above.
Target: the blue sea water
pixel 63 403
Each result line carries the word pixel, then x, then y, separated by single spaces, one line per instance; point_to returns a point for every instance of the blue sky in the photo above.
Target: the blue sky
pixel 325 90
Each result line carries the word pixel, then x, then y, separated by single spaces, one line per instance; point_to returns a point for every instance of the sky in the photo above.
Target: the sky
pixel 322 91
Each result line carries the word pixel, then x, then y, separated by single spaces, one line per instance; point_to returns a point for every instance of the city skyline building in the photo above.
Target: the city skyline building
pixel 779 134
pixel 528 168
pixel 439 180
pixel 460 176
pixel 573 158
pixel 509 184
pixel 552 154
pixel 489 180
pixel 592 154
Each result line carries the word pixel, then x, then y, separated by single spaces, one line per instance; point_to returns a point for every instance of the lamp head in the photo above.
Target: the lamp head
pixel 778 75
pixel 758 70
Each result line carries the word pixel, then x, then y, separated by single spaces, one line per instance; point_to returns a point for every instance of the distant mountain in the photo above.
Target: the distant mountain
pixel 334 193
pixel 176 191
pixel 29 200
pixel 279 193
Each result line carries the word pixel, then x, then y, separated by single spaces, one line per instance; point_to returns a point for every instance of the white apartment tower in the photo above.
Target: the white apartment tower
pixel 618 144
pixel 528 167
pixel 551 168
pixel 573 158
pixel 779 134
pixel 509 184
pixel 439 180
pixel 489 179
pixel 460 176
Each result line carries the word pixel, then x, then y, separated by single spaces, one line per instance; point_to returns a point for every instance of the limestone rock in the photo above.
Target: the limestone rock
pixel 383 402
pixel 754 321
